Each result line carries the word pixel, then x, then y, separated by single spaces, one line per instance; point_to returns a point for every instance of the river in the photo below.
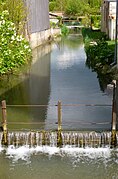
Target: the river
pixel 58 72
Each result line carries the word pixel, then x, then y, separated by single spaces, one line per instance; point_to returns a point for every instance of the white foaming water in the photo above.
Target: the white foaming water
pixel 91 153
pixel 1 149
pixel 25 153
pixel 79 145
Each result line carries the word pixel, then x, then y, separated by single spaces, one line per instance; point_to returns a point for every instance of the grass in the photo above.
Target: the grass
pixel 111 42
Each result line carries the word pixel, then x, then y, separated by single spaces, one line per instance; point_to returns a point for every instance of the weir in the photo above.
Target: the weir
pixel 59 138
pixel 71 138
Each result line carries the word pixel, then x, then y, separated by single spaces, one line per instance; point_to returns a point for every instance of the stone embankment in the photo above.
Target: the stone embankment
pixel 39 38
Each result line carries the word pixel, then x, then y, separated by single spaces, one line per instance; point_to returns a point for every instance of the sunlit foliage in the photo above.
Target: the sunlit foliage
pixel 17 13
pixel 76 7
pixel 14 49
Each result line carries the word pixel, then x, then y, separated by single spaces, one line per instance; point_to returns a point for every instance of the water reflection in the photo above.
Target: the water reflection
pixel 32 87
pixel 58 72
pixel 66 53
pixel 104 76
pixel 72 83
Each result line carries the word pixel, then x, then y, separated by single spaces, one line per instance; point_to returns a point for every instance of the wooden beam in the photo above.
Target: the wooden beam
pixel 4 124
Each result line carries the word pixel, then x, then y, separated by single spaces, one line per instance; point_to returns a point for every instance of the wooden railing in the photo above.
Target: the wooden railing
pixel 59 106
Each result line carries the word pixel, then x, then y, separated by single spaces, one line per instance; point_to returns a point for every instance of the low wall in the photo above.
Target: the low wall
pixel 39 38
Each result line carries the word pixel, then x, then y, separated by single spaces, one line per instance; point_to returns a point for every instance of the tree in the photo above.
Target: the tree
pixel 78 7
pixel 72 8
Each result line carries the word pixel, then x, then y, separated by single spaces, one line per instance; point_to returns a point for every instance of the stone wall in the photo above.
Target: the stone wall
pixel 39 38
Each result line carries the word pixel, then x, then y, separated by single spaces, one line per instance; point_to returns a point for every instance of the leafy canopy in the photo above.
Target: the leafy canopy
pixel 76 7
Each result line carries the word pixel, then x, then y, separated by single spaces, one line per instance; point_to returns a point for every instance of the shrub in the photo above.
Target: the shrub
pixel 100 55
pixel 14 49
pixel 64 30
pixel 52 6
pixel 96 21
pixel 17 13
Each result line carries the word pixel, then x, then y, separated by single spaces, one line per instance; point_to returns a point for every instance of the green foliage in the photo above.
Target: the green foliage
pixel 96 21
pixel 97 49
pixel 93 35
pixel 72 8
pixel 99 54
pixel 64 30
pixel 52 6
pixel 14 49
pixel 52 24
pixel 17 13
pixel 60 5
pixel 77 7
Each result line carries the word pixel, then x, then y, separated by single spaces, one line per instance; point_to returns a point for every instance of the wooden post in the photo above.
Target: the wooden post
pixel 114 121
pixel 59 115
pixel 4 124
pixel 43 137
pixel 59 135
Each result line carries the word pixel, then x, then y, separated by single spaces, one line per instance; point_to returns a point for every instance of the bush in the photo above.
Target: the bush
pixel 14 49
pixel 100 55
pixel 96 21
pixel 97 49
pixel 93 35
pixel 52 6
pixel 64 30
pixel 17 13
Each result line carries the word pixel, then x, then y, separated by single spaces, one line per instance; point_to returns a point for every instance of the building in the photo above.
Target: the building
pixel 37 21
pixel 38 25
pixel 108 22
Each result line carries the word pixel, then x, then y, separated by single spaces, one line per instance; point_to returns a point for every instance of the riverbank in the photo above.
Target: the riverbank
pixel 100 55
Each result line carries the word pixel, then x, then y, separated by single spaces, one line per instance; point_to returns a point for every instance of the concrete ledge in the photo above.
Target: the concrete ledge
pixel 39 38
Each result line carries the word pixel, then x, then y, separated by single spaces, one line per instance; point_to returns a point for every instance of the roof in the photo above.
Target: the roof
pixel 56 14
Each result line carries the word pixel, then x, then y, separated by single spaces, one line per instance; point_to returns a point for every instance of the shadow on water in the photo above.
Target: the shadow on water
pixel 31 87
pixel 104 77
